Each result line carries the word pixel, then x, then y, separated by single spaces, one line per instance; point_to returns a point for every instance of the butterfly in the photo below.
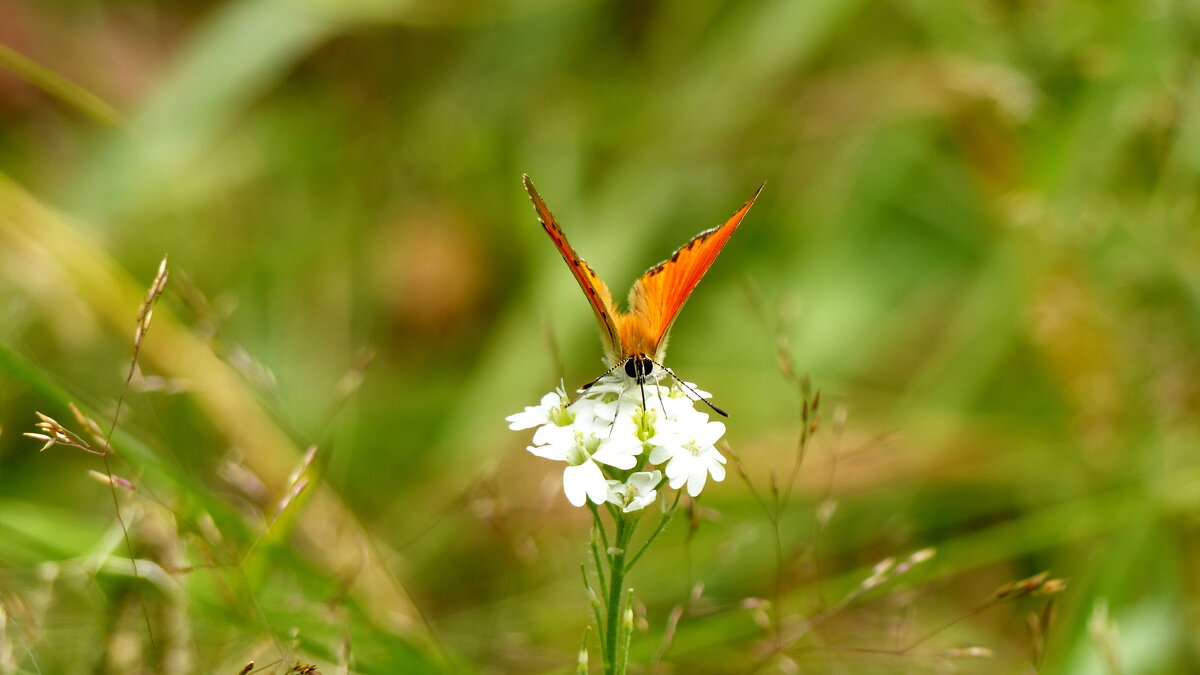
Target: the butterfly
pixel 636 340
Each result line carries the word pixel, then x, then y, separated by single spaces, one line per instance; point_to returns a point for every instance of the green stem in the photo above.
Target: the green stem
pixel 595 546
pixel 599 571
pixel 626 636
pixel 583 652
pixel 599 525
pixel 616 581
pixel 662 524
pixel 595 603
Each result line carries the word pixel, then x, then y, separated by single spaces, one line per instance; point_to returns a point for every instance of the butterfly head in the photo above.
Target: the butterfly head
pixel 639 367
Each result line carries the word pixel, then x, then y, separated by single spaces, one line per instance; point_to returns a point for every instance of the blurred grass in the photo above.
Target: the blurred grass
pixel 978 237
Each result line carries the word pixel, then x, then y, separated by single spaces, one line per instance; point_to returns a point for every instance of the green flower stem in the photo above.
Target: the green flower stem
pixel 595 603
pixel 599 525
pixel 583 650
pixel 662 524
pixel 596 557
pixel 599 569
pixel 616 582
pixel 626 636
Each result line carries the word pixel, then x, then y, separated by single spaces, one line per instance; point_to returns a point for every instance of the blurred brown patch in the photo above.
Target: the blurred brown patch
pixel 1070 326
pixel 117 53
pixel 430 268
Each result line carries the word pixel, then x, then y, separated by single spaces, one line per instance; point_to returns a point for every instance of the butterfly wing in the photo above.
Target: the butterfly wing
pixel 595 290
pixel 658 296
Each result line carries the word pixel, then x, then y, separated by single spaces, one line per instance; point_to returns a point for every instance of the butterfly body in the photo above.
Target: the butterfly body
pixel 637 339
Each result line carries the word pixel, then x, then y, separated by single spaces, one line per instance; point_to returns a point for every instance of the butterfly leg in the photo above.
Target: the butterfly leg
pixel 617 414
pixel 661 403
pixel 707 402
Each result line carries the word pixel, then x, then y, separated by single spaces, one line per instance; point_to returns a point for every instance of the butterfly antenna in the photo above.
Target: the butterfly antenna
pixel 688 387
pixel 583 390
pixel 603 375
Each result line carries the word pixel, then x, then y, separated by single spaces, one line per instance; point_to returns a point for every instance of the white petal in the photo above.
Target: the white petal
pixel 710 433
pixel 698 390
pixel 616 492
pixel 550 434
pixel 677 474
pixel 605 411
pixel 528 419
pixel 622 426
pixel 588 422
pixel 597 487
pixel 619 460
pixel 579 483
pixel 686 412
pixel 661 454
pixel 667 437
pixel 717 471
pixel 620 452
pixel 555 452
pixel 645 481
pixel 695 480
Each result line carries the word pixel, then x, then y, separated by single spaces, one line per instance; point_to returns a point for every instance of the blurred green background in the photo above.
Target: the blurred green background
pixel 978 239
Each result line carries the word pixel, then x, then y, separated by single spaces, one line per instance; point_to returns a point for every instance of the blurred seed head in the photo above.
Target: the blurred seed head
pixel 968 653
pixel 826 510
pixel 116 481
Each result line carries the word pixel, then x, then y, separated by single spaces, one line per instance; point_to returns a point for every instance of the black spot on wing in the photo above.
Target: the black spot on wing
pixel 698 239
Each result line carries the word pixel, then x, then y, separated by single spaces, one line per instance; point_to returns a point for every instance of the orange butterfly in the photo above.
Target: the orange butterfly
pixel 637 339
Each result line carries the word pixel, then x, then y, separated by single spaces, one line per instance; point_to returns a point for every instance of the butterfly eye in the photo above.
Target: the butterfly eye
pixel 638 367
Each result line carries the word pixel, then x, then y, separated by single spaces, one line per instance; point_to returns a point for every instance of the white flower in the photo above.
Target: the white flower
pixel 549 409
pixel 636 493
pixel 622 384
pixel 666 396
pixel 588 442
pixel 686 445
pixel 611 425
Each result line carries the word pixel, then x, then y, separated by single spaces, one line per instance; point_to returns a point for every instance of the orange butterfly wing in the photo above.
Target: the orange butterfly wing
pixel 657 297
pixel 593 287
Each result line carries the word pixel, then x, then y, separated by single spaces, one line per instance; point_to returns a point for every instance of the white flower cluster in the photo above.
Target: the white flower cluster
pixel 609 441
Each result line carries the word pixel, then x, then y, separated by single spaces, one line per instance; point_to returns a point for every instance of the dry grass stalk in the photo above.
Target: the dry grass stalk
pixel 882 572
pixel 113 480
pixel 51 433
pixel 296 483
pixel 1038 584
pixel 87 274
pixel 144 316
